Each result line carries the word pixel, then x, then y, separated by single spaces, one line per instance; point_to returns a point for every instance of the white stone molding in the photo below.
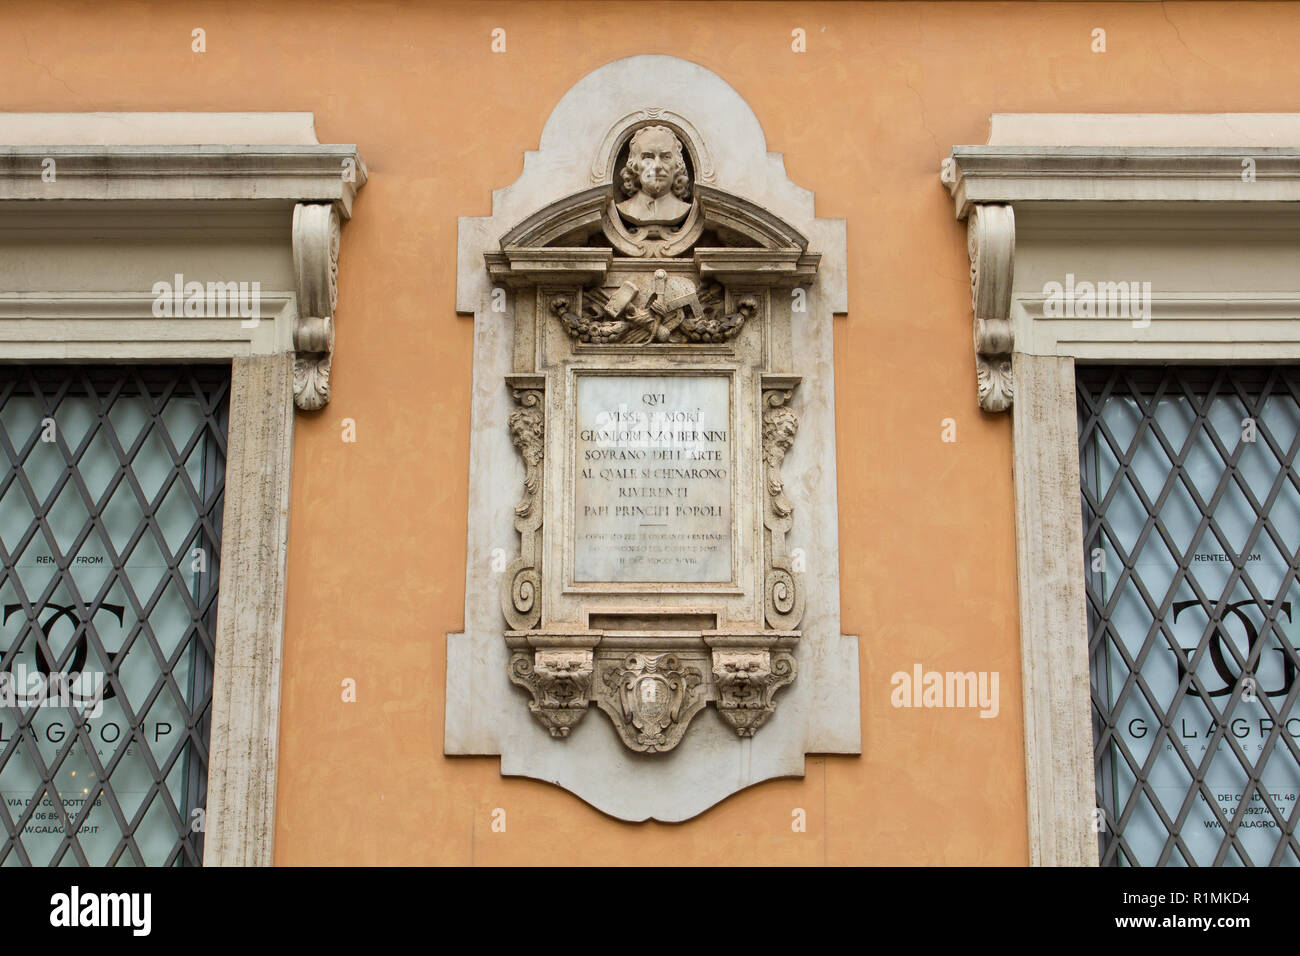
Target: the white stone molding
pixel 222 200
pixel 115 326
pixel 1192 327
pixel 1015 174
pixel 1061 790
pixel 652 656
pixel 1185 226
pixel 262 157
pixel 243 753
pixel 178 173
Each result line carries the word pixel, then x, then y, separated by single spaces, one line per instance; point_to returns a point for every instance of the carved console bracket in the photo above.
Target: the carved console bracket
pixel 316 271
pixel 991 243
pixel 783 593
pixel 748 670
pixel 556 669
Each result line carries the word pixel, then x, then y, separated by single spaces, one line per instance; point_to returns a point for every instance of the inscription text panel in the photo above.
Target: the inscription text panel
pixel 653 478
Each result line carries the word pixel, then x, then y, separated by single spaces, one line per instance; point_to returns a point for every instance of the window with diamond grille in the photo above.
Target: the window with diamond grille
pixel 1191 511
pixel 110 530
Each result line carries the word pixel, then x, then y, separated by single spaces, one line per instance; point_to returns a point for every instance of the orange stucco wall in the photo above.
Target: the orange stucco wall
pixel 376 550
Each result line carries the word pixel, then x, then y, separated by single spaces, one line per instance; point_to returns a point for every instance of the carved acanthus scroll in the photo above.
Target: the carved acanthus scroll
pixel 521 587
pixel 316 268
pixel 783 597
pixel 991 244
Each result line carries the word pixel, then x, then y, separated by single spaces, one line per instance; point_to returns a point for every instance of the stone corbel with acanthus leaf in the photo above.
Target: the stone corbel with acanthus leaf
pixel 991 244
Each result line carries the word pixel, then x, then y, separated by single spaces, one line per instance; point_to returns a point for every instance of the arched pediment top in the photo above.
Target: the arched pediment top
pixel 565 222
pixel 738 204
pixel 728 221
pixel 740 217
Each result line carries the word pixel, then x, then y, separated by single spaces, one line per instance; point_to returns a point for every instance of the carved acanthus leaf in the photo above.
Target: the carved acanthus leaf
pixel 316 270
pixel 991 244
pixel 783 597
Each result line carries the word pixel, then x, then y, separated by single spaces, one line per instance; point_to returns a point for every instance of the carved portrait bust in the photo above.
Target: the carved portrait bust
pixel 655 179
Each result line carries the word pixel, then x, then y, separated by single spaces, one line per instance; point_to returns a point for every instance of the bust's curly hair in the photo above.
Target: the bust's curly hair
pixel 631 171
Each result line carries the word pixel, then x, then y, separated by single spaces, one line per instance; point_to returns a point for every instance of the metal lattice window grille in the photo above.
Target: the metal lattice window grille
pixel 110 532
pixel 1191 512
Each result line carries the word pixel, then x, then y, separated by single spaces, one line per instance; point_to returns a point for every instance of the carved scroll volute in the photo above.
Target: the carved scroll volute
pixel 783 596
pixel 316 270
pixel 991 243
pixel 521 587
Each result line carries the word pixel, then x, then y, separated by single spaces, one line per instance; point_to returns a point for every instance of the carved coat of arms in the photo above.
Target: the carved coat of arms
pixel 652 699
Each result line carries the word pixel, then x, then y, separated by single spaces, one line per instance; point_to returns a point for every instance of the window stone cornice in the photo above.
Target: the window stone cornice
pixel 239 180
pixel 321 173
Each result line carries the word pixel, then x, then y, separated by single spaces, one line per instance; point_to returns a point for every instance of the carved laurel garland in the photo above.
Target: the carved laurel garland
pixel 783 597
pixel 670 310
pixel 521 587
pixel 316 269
pixel 991 244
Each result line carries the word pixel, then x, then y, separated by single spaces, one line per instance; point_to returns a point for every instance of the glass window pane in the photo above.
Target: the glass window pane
pixel 1191 511
pixel 110 509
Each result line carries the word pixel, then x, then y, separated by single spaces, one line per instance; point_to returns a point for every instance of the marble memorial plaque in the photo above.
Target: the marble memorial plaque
pixel 653 478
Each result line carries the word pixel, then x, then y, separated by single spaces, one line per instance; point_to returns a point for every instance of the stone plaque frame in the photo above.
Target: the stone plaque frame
pixel 585 269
